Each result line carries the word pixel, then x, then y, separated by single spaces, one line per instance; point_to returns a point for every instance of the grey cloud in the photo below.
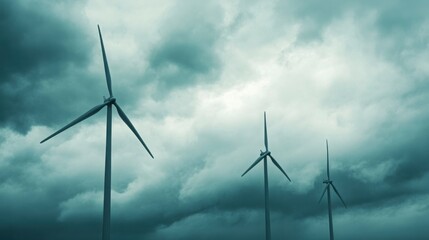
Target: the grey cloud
pixel 315 16
pixel 399 25
pixel 38 41
pixel 188 51
pixel 39 47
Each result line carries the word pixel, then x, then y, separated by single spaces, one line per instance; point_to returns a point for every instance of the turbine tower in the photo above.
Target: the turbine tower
pixel 107 174
pixel 329 183
pixel 263 156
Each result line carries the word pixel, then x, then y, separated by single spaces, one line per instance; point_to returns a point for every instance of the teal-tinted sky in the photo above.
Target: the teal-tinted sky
pixel 195 78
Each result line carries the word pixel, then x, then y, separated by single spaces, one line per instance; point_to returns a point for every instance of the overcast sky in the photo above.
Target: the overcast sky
pixel 195 78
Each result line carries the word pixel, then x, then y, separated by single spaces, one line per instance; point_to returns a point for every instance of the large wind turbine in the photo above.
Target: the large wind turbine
pixel 263 156
pixel 329 183
pixel 107 174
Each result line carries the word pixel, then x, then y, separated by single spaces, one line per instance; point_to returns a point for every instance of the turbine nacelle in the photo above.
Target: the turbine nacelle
pixel 264 154
pixel 327 181
pixel 110 100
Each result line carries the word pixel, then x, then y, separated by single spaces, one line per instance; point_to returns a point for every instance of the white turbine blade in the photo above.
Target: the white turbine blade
pixel 130 125
pixel 338 194
pixel 253 164
pixel 327 160
pixel 323 194
pixel 86 115
pixel 279 167
pixel 265 132
pixel 106 65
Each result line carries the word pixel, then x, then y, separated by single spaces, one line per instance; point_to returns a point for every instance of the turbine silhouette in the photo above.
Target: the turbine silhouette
pixel 107 174
pixel 329 183
pixel 263 156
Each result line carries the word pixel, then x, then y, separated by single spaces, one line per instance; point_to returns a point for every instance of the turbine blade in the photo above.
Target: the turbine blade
pixel 253 164
pixel 130 125
pixel 86 115
pixel 323 194
pixel 265 132
pixel 338 194
pixel 327 160
pixel 106 65
pixel 279 167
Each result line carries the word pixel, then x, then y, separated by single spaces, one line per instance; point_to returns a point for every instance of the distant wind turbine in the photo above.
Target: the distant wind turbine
pixel 263 156
pixel 107 174
pixel 329 183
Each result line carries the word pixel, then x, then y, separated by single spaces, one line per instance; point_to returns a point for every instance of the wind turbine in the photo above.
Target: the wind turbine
pixel 329 183
pixel 263 156
pixel 107 174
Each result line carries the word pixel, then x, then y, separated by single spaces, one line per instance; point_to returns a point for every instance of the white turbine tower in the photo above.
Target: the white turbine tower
pixel 107 174
pixel 329 183
pixel 263 156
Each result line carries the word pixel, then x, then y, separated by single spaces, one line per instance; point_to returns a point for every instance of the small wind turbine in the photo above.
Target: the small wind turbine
pixel 107 174
pixel 329 183
pixel 263 156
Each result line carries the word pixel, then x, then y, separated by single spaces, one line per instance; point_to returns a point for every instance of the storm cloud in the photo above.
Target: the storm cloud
pixel 40 46
pixel 195 78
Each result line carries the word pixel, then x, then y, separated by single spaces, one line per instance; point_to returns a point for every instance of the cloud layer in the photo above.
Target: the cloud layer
pixel 195 79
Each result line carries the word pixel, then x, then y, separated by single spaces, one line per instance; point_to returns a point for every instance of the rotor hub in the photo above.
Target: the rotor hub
pixel 266 153
pixel 110 100
pixel 327 181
